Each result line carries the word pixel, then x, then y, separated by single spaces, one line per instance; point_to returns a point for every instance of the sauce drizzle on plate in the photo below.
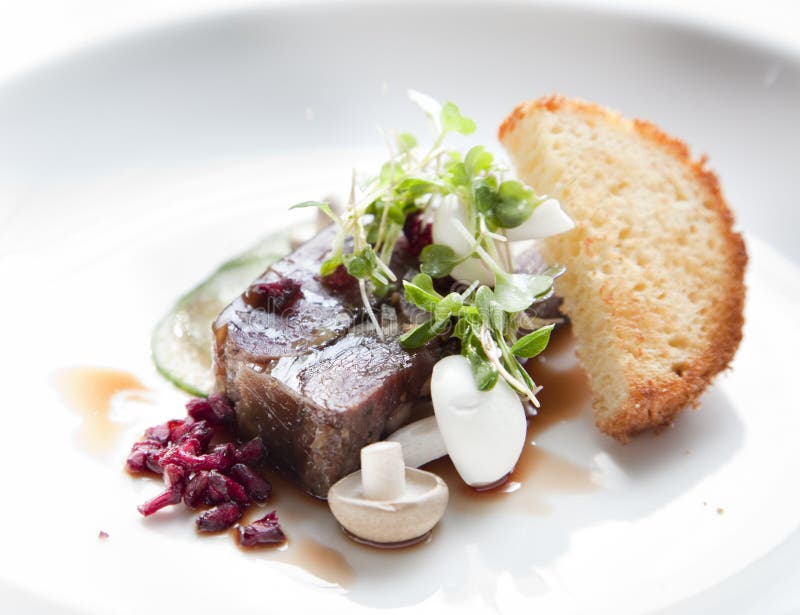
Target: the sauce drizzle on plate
pixel 89 391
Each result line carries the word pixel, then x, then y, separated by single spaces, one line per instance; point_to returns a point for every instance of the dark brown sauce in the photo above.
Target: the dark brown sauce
pixel 318 560
pixel 89 392
pixel 565 390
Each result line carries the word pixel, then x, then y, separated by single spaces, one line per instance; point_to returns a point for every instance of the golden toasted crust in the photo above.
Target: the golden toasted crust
pixel 654 401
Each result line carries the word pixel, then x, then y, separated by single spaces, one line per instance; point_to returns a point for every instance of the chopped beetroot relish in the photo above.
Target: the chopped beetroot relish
pixel 339 280
pixel 217 410
pixel 219 518
pixel 418 232
pixel 201 474
pixel 276 297
pixel 264 531
pixel 257 488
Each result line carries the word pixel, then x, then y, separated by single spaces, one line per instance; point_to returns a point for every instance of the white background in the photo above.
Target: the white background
pixel 33 31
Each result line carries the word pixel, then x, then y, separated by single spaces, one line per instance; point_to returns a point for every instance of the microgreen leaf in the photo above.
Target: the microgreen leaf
pixel 424 298
pixel 483 301
pixel 484 196
pixel 447 307
pixel 453 121
pixel 484 373
pixel 438 260
pixel 361 265
pixel 485 320
pixel 477 161
pixel 554 271
pixel 412 188
pixel 533 343
pixel 490 310
pixel 405 142
pixel 462 329
pixel 425 282
pixel 395 213
pixel 330 265
pixel 321 205
pixel 515 204
pixel 515 292
pixel 421 334
pixel 391 171
pixel 458 174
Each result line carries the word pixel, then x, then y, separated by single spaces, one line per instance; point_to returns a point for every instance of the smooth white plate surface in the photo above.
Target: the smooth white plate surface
pixel 128 172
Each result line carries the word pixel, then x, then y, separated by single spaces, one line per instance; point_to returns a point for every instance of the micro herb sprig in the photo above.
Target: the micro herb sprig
pixel 485 320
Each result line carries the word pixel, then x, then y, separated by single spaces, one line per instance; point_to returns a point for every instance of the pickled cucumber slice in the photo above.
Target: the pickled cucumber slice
pixel 181 343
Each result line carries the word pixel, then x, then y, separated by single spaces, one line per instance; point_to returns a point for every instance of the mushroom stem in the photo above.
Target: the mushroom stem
pixel 383 471
pixel 421 442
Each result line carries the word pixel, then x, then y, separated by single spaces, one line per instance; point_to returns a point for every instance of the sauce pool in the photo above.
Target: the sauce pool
pixel 89 391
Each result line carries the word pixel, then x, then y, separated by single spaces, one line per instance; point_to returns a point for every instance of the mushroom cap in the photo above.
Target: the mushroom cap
pixel 409 516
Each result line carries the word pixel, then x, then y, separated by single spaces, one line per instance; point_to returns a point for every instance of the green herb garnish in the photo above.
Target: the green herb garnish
pixel 486 320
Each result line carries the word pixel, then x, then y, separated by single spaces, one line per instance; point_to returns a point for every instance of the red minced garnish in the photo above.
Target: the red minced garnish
pixel 418 232
pixel 275 297
pixel 257 488
pixel 201 474
pixel 219 518
pixel 339 280
pixel 264 531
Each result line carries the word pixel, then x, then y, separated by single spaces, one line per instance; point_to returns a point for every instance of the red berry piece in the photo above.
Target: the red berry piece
pixel 418 232
pixel 194 496
pixel 266 530
pixel 174 477
pixel 220 458
pixel 276 297
pixel 250 453
pixel 340 280
pixel 144 456
pixel 257 488
pixel 219 518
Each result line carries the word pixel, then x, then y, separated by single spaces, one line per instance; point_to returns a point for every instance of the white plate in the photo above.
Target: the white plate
pixel 127 172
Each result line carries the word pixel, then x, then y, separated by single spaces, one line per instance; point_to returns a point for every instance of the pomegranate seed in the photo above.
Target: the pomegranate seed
pixel 250 453
pixel 222 407
pixel 167 498
pixel 144 456
pixel 195 493
pixel 198 474
pixel 178 429
pixel 418 232
pixel 223 488
pixel 257 488
pixel 202 432
pixel 159 433
pixel 276 297
pixel 219 518
pixel 266 530
pixel 221 457
pixel 340 280
pixel 217 409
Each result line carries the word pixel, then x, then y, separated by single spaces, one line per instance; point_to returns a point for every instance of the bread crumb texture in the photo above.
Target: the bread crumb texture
pixel 654 281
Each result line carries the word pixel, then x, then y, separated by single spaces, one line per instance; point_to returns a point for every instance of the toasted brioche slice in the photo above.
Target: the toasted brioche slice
pixel 654 282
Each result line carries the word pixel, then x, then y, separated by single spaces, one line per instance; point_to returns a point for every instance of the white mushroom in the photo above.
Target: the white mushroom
pixel 547 219
pixel 482 431
pixel 385 502
pixel 421 440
